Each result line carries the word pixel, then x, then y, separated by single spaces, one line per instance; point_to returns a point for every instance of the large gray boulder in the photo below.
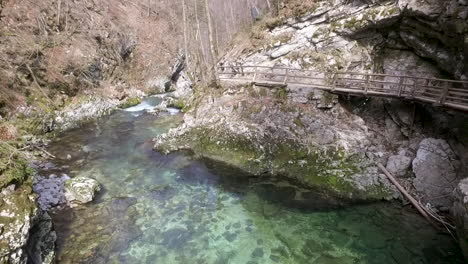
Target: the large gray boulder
pixel 435 168
pixel 460 214
pixel 398 165
pixel 81 190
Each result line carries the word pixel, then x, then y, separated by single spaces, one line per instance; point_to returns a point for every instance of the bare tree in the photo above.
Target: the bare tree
pixel 185 33
pixel 149 7
pixel 198 34
pixel 214 53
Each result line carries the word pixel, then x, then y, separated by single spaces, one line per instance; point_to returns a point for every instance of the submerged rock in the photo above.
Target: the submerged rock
pixel 50 190
pixel 81 190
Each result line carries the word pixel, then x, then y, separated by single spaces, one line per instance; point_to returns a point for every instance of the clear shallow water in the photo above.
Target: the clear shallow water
pixel 177 209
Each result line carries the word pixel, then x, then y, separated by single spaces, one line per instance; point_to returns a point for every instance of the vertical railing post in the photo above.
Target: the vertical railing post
pixel 400 85
pixel 255 75
pixel 444 93
pixel 413 91
pixel 334 81
pixel 286 77
pixel 367 83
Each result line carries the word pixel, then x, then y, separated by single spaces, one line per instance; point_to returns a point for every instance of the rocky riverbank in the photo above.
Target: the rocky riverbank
pixel 26 195
pixel 332 144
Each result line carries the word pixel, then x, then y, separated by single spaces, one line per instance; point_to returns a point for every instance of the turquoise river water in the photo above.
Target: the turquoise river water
pixel 176 208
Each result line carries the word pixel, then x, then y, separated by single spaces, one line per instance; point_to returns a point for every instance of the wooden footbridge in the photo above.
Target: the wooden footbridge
pixel 439 92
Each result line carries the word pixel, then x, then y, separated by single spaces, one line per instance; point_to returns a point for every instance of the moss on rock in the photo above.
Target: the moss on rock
pixel 132 101
pixel 13 168
pixel 328 170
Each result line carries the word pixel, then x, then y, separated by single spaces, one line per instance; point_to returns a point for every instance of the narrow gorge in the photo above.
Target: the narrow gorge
pixel 189 131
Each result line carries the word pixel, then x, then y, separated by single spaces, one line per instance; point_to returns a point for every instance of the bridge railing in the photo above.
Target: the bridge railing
pixel 451 93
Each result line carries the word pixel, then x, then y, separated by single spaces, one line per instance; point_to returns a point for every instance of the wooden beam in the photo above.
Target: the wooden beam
pixel 406 194
pixel 444 94
pixel 367 84
pixel 286 76
pixel 400 86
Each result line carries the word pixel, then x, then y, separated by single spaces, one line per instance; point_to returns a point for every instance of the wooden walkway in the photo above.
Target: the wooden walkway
pixel 439 92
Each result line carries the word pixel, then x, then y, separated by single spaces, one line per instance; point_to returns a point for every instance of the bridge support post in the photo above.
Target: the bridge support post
pixel 286 77
pixel 334 81
pixel 367 84
pixel 400 86
pixel 444 93
pixel 255 75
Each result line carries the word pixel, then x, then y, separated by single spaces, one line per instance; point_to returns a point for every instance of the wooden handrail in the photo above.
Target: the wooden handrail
pixel 347 72
pixel 446 92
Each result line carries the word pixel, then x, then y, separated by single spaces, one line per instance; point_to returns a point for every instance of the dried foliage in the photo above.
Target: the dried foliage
pixel 54 49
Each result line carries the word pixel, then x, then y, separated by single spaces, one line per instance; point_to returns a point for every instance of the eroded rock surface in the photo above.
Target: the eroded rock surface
pixel 267 134
pixel 436 167
pixel 398 165
pixel 460 212
pixel 81 190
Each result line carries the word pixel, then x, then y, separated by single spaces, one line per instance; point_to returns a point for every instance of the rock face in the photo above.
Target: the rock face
pixel 41 243
pixel 81 190
pixel 263 133
pixel 437 29
pixel 19 219
pixel 369 36
pixel 435 168
pixel 398 165
pixel 331 148
pixel 17 213
pixel 460 213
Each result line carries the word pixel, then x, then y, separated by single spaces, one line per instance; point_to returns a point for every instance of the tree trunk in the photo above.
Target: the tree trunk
pixel 198 37
pixel 214 53
pixel 149 8
pixel 59 7
pixel 185 34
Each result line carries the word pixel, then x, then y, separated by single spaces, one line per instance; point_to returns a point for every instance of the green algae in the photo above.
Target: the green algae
pixel 327 169
pixel 13 166
pixel 132 101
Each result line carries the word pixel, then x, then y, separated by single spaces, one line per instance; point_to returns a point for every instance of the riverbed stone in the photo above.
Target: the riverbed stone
pixel 50 190
pixel 81 190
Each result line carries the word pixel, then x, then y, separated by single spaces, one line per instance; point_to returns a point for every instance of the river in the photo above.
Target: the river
pixel 176 208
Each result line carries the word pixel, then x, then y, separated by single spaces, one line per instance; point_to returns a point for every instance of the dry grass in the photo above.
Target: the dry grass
pixel 7 132
pixel 91 43
pixel 297 8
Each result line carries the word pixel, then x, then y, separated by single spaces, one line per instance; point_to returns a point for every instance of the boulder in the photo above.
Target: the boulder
pixel 435 168
pixel 81 190
pixel 50 190
pixel 398 165
pixel 183 86
pixel 460 214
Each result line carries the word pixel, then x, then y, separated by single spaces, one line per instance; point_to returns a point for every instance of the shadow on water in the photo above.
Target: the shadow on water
pixel 175 208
